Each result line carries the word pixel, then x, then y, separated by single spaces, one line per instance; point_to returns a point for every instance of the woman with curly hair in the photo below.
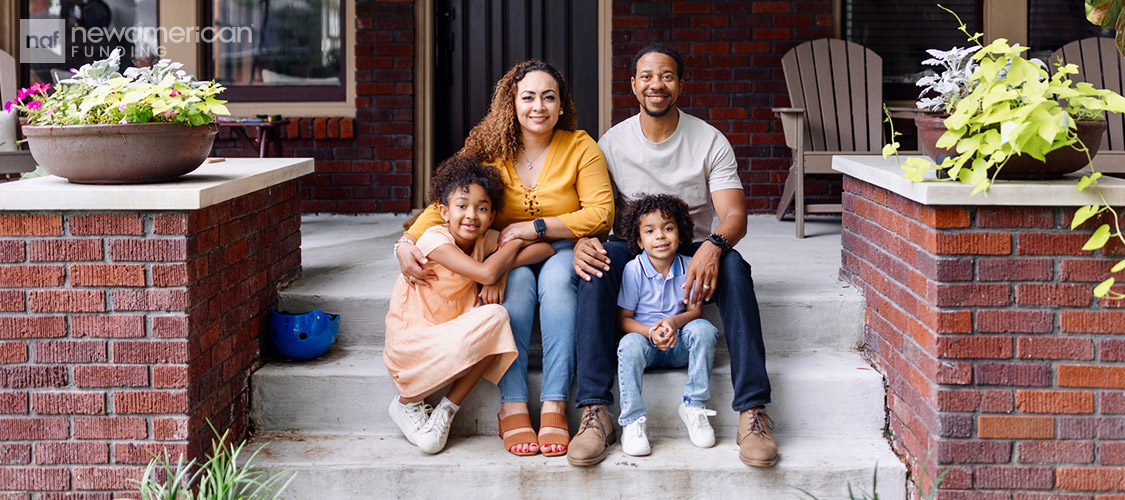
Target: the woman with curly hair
pixel 557 189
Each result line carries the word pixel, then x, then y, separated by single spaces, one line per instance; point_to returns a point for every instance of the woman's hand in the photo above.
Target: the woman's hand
pixel 492 294
pixel 702 275
pixel 519 231
pixel 590 258
pixel 411 262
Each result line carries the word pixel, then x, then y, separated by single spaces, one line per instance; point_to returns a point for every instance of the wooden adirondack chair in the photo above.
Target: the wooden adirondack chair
pixel 1101 65
pixel 836 91
pixel 13 161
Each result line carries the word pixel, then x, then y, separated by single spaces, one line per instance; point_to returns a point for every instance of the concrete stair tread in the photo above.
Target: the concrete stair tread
pixel 349 269
pixel 332 466
pixel 321 396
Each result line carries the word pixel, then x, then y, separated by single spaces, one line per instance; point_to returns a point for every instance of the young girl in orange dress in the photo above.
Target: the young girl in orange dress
pixel 439 335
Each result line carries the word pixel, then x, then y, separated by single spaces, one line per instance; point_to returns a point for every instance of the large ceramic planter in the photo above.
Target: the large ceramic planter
pixel 1058 162
pixel 132 153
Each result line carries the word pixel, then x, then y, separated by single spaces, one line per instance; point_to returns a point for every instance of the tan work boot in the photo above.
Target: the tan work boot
pixel 589 446
pixel 755 446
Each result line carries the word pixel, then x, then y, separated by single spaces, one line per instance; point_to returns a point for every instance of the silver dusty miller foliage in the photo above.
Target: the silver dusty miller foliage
pixel 952 83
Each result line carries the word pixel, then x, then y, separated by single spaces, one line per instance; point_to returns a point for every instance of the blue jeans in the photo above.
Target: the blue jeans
pixel 551 287
pixel 694 348
pixel 738 308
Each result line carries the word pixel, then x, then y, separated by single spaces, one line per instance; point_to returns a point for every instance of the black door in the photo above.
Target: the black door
pixel 479 40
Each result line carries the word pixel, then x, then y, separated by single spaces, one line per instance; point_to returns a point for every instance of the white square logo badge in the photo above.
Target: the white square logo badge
pixel 42 41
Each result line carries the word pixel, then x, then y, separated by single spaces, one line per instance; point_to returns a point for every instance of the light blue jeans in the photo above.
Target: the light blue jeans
pixel 551 287
pixel 695 348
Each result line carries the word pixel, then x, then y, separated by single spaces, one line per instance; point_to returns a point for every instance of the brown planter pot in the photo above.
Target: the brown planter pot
pixel 134 153
pixel 1059 162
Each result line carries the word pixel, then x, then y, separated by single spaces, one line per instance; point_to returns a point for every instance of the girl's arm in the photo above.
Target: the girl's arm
pixel 533 254
pixel 485 273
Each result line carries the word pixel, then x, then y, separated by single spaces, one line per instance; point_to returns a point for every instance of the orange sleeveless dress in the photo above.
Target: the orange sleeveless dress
pixel 434 333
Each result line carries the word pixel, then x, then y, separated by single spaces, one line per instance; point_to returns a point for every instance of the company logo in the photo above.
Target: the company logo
pixel 48 41
pixel 42 41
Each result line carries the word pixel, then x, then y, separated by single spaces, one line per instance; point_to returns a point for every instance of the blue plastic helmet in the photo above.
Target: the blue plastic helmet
pixel 303 336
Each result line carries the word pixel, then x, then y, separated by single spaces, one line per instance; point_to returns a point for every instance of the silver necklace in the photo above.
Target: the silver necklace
pixel 531 162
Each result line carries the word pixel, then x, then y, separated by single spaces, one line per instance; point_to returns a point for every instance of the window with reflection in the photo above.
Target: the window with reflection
pixel 295 51
pixel 93 29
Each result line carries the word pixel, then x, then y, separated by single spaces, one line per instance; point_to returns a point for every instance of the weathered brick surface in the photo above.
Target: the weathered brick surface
pixel 123 334
pixel 1031 406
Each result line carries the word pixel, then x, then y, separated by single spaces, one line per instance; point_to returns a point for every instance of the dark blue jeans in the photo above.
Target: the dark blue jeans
pixel 597 332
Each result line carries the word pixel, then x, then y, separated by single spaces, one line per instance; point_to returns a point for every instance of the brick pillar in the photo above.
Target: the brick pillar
pixel 123 333
pixel 1001 366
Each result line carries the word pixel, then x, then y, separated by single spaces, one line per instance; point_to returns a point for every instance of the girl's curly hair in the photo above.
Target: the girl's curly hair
pixel 669 206
pixel 497 137
pixel 458 172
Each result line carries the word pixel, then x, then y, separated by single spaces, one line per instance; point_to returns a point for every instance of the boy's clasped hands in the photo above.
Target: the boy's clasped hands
pixel 663 334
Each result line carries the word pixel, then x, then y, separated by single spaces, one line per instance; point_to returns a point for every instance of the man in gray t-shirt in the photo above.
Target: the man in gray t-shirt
pixel 664 150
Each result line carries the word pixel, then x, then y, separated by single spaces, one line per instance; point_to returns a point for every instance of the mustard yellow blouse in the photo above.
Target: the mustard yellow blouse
pixel 573 185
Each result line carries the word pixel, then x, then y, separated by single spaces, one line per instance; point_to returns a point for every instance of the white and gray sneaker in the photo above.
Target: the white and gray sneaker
pixel 431 439
pixel 698 427
pixel 409 417
pixel 634 439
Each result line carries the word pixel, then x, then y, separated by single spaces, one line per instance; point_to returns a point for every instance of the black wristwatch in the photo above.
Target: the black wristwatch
pixel 719 241
pixel 540 227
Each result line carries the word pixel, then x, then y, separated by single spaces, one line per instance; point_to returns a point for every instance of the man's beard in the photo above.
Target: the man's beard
pixel 660 113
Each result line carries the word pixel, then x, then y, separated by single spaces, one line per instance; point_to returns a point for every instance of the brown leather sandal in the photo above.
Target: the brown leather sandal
pixel 554 420
pixel 517 421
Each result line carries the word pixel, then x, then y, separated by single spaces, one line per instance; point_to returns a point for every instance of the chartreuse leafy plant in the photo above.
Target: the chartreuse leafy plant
pixel 98 94
pixel 1013 106
pixel 220 477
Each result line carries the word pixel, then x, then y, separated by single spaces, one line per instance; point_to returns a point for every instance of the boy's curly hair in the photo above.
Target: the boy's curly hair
pixel 497 137
pixel 458 172
pixel 669 206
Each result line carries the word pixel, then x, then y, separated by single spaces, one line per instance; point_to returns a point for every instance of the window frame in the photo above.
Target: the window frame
pixel 278 93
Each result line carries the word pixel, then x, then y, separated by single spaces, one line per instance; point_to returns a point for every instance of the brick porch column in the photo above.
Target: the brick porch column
pixel 132 315
pixel 1001 365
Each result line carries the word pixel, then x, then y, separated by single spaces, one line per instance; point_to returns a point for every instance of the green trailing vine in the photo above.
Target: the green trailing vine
pixel 1008 106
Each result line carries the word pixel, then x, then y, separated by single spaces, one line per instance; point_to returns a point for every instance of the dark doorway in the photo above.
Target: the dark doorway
pixel 479 40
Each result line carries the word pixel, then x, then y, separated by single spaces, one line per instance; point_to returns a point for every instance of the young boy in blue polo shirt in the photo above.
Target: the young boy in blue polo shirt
pixel 660 330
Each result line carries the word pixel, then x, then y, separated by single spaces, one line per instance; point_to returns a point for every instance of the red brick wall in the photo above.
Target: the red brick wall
pixel 732 70
pixel 1001 365
pixel 124 332
pixel 363 164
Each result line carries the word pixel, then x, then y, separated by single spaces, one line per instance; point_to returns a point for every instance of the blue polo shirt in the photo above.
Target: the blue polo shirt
pixel 650 295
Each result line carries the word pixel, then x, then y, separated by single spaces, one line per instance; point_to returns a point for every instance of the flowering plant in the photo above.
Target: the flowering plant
pixel 98 94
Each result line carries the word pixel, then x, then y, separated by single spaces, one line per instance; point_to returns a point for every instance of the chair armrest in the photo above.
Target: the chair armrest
pixel 787 110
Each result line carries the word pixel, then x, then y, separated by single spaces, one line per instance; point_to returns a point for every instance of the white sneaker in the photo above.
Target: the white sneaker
pixel 698 427
pixel 431 439
pixel 409 417
pixel 634 440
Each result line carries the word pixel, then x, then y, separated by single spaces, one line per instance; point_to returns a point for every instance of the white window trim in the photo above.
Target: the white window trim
pixel 186 14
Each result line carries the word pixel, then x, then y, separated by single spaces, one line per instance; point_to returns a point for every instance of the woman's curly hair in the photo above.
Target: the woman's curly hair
pixel 669 206
pixel 458 172
pixel 497 137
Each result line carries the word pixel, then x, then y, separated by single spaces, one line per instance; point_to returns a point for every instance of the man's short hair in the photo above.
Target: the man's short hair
pixel 663 49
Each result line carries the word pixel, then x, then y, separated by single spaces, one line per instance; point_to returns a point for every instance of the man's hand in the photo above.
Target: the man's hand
pixel 590 258
pixel 492 294
pixel 702 274
pixel 411 262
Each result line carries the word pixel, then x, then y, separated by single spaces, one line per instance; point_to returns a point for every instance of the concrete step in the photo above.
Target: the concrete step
pixel 347 268
pixel 362 467
pixel 826 394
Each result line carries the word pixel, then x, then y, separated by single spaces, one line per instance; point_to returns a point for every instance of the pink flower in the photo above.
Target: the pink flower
pixel 34 105
pixel 22 93
pixel 121 108
pixel 45 88
pixel 174 93
pixel 170 114
pixel 8 106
